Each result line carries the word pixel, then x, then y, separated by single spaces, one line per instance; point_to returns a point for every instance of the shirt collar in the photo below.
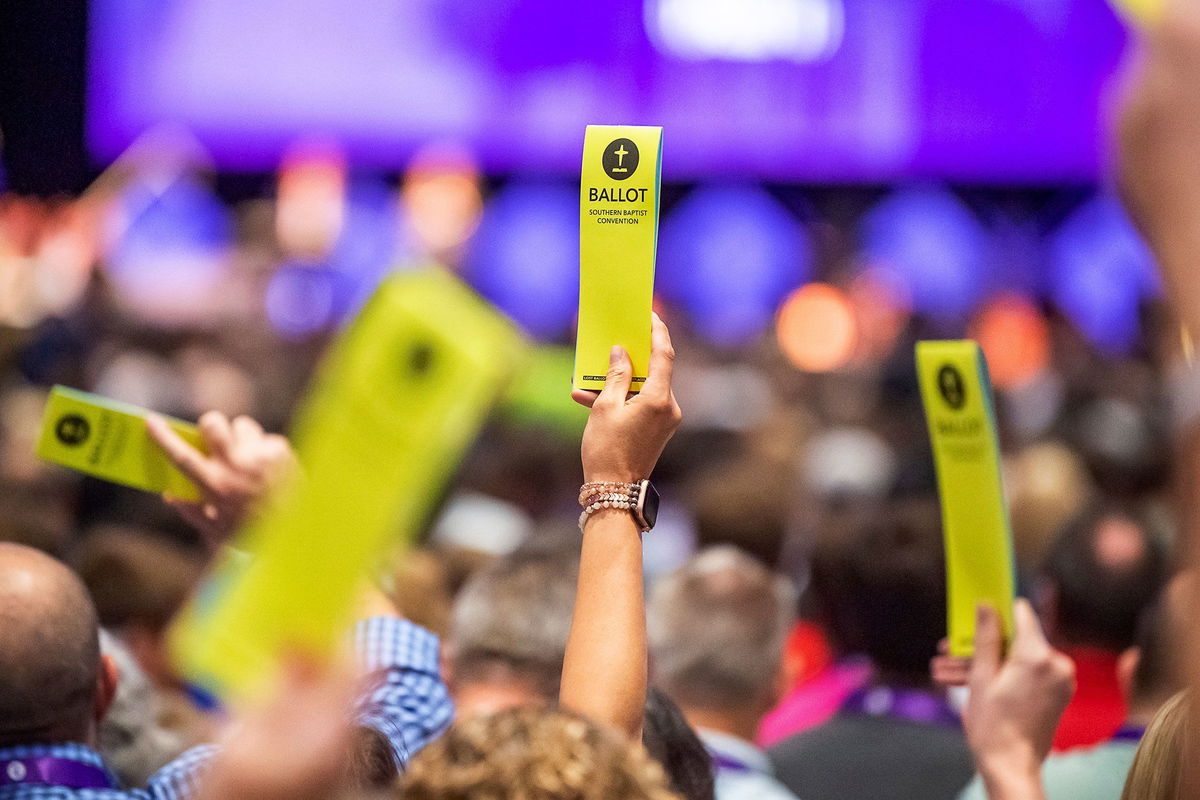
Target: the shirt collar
pixel 73 751
pixel 736 749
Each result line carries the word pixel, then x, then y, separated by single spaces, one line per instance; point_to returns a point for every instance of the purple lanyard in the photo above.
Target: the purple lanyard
pixel 51 771
pixel 1129 733
pixel 906 704
pixel 730 764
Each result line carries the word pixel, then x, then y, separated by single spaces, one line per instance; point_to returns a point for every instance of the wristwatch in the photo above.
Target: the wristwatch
pixel 645 513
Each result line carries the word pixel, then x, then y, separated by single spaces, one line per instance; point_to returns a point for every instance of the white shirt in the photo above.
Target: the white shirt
pixel 742 769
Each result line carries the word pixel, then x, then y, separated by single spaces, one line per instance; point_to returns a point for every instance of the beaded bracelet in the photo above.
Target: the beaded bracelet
pixel 590 489
pixel 597 496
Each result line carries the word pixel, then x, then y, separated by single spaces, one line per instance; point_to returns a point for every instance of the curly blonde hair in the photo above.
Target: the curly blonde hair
pixel 533 754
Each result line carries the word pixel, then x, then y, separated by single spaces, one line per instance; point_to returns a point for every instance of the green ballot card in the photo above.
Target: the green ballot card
pixel 618 241
pixel 107 439
pixel 398 399
pixel 962 429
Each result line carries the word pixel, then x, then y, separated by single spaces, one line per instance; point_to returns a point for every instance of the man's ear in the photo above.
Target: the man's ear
pixel 786 677
pixel 106 686
pixel 1127 664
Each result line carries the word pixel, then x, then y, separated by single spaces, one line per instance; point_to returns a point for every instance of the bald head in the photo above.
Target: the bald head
pixel 49 650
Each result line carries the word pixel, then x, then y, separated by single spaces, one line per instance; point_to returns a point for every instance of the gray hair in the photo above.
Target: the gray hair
pixel 516 615
pixel 131 738
pixel 717 629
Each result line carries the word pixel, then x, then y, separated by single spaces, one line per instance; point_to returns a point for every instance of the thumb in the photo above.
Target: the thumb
pixel 619 378
pixel 989 646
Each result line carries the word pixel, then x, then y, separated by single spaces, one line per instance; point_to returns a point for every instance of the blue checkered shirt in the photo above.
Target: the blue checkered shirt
pixel 410 706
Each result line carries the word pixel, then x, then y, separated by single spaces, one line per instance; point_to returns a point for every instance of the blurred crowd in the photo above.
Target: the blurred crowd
pixel 795 582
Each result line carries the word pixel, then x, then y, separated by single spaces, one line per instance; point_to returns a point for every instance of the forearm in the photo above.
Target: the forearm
pixel 1019 779
pixel 604 671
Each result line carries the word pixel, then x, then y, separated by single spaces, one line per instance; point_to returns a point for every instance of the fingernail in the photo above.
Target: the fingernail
pixel 614 354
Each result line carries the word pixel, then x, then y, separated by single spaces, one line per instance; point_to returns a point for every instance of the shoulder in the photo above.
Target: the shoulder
pixel 178 779
pixel 750 786
pixel 1096 768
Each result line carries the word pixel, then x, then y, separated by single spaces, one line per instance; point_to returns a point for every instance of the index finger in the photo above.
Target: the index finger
pixel 190 461
pixel 662 361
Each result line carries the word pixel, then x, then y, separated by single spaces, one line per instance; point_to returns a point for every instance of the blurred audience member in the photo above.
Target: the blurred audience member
pixel 132 739
pixel 1150 673
pixel 419 586
pixel 508 631
pixel 1047 486
pixel 717 629
pixel 671 742
pixel 897 738
pixel 138 582
pixel 1099 575
pixel 533 754
pixel 1158 771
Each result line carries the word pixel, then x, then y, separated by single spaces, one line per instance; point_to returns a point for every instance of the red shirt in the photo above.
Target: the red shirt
pixel 1098 707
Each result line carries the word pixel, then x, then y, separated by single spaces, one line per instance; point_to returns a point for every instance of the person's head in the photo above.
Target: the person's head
pixel 533 754
pixel 131 737
pixel 138 582
pixel 717 629
pixel 1158 771
pixel 508 631
pixel 54 686
pixel 1101 572
pixel 881 573
pixel 1152 670
pixel 671 742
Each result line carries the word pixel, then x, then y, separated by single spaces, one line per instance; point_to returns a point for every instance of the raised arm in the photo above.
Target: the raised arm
pixel 604 671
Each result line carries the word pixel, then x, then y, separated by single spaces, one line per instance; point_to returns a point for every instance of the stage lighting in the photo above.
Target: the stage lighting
pixel 525 256
pixel 933 243
pixel 728 255
pixel 170 251
pixel 816 328
pixel 1015 337
pixel 300 300
pixel 1101 272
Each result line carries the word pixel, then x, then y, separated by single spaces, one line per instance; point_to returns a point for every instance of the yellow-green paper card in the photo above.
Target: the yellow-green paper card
pixel 960 411
pixel 1141 12
pixel 108 439
pixel 618 241
pixel 401 394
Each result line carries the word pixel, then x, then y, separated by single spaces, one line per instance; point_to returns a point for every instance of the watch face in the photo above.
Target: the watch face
pixel 648 505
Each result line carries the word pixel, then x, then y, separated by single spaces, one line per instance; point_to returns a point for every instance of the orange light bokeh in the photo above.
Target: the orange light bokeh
pixel 816 328
pixel 1015 338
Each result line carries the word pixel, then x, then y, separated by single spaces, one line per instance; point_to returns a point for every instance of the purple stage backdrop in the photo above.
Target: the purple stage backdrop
pixel 1007 91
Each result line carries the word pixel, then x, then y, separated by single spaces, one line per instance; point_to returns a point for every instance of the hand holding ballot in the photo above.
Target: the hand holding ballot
pixel 241 465
pixel 626 434
pixel 1016 701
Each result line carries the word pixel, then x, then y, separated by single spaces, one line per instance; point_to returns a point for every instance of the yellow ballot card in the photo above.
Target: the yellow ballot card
pixel 1141 12
pixel 107 439
pixel 396 402
pixel 618 241
pixel 962 429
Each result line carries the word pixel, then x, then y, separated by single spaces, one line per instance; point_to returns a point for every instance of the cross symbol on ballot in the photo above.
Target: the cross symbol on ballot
pixel 620 154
